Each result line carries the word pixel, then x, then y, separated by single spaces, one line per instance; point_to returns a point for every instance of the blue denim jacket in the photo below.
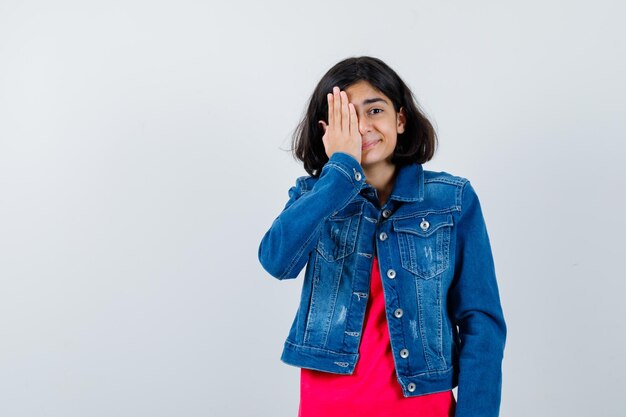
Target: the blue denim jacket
pixel 445 320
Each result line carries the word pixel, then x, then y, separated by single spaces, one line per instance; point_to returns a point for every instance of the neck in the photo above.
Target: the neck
pixel 381 176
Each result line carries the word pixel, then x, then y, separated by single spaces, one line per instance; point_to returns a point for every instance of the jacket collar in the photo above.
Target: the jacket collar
pixel 408 186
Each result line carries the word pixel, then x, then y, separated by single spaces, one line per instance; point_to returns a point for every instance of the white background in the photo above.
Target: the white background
pixel 143 154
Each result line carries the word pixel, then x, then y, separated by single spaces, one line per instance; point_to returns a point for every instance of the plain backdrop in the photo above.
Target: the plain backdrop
pixel 144 153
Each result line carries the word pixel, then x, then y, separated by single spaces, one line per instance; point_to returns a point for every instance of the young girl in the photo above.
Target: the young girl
pixel 399 301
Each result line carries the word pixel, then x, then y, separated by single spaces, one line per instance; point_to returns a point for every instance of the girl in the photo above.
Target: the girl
pixel 399 301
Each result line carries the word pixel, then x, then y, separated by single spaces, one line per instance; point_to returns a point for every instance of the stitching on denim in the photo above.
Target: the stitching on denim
pixel 446 180
pixel 307 329
pixel 434 226
pixel 301 188
pixel 405 199
pixel 301 347
pixel 340 168
pixel 424 213
pixel 391 341
pixel 459 194
pixel 300 251
pixel 440 326
pixel 429 373
pixel 420 309
pixel 415 393
pixel 348 238
pixel 333 300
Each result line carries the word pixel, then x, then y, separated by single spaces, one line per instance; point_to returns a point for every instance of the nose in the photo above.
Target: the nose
pixel 364 125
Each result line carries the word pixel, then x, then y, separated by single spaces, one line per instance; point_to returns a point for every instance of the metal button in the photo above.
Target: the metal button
pixel 424 224
pixel 386 213
pixel 391 273
pixel 404 353
pixel 357 175
pixel 398 313
pixel 383 236
pixel 411 387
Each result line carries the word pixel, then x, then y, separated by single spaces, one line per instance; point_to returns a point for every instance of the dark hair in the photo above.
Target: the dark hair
pixel 416 144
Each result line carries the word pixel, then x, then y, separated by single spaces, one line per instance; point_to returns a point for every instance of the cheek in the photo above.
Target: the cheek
pixel 390 128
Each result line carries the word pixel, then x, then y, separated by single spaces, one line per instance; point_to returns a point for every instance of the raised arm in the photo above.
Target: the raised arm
pixel 285 247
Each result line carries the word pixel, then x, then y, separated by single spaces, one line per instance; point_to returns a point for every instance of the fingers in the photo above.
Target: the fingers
pixel 336 109
pixel 343 122
pixel 342 117
pixel 331 118
pixel 345 114
pixel 354 120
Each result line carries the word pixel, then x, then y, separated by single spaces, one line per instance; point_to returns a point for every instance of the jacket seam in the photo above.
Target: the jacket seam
pixel 340 168
pixel 449 369
pixel 446 180
pixel 305 244
pixel 300 251
pixel 304 347
pixel 458 195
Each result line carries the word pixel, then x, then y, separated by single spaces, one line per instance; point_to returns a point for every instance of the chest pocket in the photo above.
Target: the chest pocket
pixel 339 233
pixel 424 243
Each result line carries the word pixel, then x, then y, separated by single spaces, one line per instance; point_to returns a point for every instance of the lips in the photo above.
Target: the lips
pixel 370 144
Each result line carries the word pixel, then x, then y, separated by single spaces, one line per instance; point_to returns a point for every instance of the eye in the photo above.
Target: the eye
pixel 373 110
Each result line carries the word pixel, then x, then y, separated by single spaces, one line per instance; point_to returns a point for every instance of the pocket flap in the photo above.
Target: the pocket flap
pixel 423 225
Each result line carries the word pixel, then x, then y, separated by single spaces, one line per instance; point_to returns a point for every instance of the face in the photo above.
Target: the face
pixel 379 124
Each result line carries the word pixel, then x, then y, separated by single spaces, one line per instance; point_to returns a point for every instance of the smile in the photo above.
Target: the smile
pixel 369 145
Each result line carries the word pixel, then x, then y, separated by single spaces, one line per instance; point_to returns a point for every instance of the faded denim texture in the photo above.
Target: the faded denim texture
pixel 445 320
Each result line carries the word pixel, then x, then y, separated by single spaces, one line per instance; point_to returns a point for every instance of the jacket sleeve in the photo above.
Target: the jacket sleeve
pixel 285 247
pixel 476 309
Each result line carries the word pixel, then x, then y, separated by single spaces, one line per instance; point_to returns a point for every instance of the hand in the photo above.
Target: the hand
pixel 342 132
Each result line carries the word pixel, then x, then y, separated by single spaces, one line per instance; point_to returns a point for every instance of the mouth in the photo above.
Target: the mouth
pixel 369 145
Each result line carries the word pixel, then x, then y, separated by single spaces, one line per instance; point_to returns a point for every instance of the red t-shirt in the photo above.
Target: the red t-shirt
pixel 373 389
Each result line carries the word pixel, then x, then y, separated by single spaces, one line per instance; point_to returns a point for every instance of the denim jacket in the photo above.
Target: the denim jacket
pixel 443 311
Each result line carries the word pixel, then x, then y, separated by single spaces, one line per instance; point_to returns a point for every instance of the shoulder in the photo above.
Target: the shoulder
pixel 304 184
pixel 444 177
pixel 446 182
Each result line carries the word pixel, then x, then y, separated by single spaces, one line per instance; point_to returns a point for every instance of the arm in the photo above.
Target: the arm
pixel 476 309
pixel 285 247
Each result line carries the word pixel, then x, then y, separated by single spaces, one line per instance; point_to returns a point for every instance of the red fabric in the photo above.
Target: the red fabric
pixel 373 389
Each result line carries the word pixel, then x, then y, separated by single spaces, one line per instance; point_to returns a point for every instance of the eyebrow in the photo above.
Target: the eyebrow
pixel 374 100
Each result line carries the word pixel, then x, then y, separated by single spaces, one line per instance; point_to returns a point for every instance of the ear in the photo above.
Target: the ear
pixel 401 120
